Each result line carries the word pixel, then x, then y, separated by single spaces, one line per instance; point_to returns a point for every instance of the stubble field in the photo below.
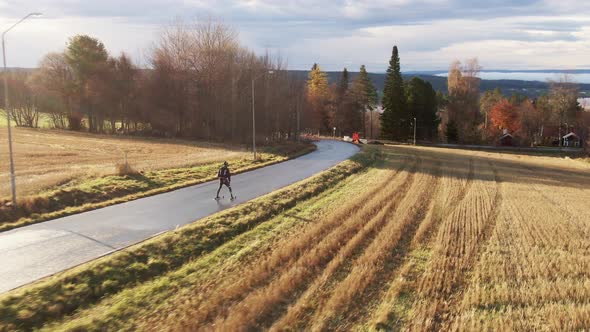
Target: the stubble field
pixel 426 239
pixel 434 239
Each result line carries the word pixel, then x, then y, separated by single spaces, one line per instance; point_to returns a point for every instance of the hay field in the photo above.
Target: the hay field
pixel 427 239
pixel 45 158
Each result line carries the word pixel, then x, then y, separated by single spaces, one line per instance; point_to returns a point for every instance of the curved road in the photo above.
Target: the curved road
pixel 36 251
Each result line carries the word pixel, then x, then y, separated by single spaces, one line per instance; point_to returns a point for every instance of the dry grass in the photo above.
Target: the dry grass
pixel 41 303
pixel 45 158
pixel 294 258
pixel 431 239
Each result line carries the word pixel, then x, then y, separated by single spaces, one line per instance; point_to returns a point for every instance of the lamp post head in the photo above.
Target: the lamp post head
pixel 36 14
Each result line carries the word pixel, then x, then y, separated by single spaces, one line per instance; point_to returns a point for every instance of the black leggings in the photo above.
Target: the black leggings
pixel 226 183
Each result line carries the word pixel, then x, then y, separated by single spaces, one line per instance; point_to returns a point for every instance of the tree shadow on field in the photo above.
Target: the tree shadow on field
pixel 509 168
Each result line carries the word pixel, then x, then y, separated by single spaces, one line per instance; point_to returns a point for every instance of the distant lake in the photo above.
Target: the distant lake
pixel 527 76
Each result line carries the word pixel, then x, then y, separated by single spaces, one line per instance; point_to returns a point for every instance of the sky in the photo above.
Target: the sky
pixel 430 34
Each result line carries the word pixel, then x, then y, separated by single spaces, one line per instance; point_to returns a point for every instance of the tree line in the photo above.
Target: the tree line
pixel 469 117
pixel 345 106
pixel 200 83
pixel 466 116
pixel 349 105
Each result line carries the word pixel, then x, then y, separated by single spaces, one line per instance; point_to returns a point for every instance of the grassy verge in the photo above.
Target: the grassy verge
pixel 96 193
pixel 32 306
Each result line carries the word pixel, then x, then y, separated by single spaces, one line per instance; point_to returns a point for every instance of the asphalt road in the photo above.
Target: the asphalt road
pixel 36 251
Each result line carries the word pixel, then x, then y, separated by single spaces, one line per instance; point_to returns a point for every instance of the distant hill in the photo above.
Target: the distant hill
pixel 528 88
pixel 439 83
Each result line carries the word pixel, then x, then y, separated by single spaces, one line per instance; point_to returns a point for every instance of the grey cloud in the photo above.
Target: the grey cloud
pixel 277 24
pixel 375 12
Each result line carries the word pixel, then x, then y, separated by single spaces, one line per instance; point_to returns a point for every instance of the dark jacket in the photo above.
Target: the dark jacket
pixel 224 173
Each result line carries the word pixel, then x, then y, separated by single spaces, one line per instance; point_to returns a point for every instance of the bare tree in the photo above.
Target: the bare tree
pixel 463 101
pixel 25 112
pixel 563 98
pixel 54 87
pixel 199 85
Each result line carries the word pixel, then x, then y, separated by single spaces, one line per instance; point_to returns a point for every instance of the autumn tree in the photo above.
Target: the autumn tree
pixel 394 120
pixel 504 116
pixel 488 99
pixel 317 94
pixel 463 99
pixel 517 99
pixel 563 99
pixel 530 121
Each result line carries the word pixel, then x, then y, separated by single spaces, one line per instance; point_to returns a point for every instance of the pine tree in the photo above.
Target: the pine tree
pixel 342 87
pixel 340 101
pixel 365 93
pixel 394 119
pixel 422 104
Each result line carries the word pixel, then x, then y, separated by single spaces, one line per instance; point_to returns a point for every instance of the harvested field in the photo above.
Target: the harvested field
pixel 424 239
pixel 45 158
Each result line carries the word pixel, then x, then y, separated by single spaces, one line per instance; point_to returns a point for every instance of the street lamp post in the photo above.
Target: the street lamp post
pixel 371 121
pixel 7 107
pixel 254 112
pixel 414 131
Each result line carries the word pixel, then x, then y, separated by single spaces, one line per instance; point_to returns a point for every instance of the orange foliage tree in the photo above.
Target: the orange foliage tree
pixel 504 115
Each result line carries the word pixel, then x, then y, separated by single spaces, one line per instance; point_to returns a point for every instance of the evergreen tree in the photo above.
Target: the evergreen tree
pixel 452 133
pixel 422 104
pixel 365 93
pixel 394 119
pixel 340 105
pixel 87 58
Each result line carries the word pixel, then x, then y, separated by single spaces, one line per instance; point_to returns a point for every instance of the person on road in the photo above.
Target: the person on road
pixel 224 176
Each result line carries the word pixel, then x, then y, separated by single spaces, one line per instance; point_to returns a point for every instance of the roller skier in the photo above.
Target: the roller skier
pixel 224 176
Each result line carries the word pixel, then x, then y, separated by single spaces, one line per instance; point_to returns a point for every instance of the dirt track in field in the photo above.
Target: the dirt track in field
pixel 434 239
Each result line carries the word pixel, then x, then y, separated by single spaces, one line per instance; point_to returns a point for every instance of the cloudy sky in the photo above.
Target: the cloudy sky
pixel 503 34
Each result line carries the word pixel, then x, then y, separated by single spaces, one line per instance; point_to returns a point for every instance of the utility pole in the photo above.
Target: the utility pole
pixel 371 120
pixel 414 131
pixel 253 122
pixel 298 133
pixel 7 109
pixel 254 112
pixel 559 132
